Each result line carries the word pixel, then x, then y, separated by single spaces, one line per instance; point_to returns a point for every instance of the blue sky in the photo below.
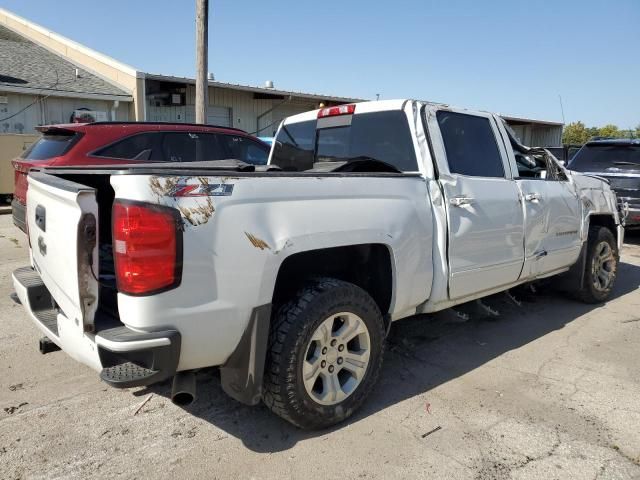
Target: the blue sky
pixel 513 57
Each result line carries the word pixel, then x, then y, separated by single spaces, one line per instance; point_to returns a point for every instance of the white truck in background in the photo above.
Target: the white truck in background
pixel 288 276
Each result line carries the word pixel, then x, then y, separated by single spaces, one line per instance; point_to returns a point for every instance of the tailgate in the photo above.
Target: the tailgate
pixel 62 219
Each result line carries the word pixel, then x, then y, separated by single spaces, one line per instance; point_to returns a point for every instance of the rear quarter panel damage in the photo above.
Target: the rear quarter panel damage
pixel 236 239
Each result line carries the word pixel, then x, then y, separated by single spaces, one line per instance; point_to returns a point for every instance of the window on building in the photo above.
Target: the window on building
pixel 470 145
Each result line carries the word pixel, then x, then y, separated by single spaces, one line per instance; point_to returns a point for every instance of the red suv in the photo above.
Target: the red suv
pixel 108 143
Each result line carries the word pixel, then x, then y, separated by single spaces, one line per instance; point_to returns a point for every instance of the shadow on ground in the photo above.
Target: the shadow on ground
pixel 632 237
pixel 422 353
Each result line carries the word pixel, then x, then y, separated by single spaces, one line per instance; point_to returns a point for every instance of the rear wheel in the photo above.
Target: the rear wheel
pixel 601 265
pixel 325 354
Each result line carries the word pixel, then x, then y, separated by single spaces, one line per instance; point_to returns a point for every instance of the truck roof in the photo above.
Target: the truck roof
pixel 375 106
pixel 361 107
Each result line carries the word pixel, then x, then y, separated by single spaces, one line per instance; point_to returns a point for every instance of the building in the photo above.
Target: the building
pixel 37 87
pixel 537 133
pixel 46 78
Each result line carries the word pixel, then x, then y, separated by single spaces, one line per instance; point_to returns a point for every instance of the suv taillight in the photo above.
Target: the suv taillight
pixel 20 183
pixel 147 247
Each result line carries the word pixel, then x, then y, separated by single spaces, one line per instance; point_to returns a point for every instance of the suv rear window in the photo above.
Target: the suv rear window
pixel 382 136
pixel 596 157
pixel 49 146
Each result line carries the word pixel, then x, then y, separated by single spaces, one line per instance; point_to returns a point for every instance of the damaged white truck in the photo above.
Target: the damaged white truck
pixel 288 276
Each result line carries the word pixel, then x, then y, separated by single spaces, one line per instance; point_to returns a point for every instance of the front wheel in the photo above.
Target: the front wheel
pixel 601 265
pixel 325 354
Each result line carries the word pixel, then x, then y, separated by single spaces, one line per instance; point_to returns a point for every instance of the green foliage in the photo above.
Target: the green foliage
pixel 609 131
pixel 577 132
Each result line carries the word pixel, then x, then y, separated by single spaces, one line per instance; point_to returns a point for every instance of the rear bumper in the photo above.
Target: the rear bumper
pixel 633 218
pixel 124 357
pixel 631 211
pixel 19 213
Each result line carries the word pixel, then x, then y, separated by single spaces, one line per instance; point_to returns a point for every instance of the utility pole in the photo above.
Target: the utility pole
pixel 202 39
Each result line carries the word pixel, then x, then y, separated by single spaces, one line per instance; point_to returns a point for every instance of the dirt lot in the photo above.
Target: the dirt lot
pixel 550 389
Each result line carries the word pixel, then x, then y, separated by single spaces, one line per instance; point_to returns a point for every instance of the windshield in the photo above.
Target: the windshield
pixel 600 157
pixel 381 136
pixel 49 146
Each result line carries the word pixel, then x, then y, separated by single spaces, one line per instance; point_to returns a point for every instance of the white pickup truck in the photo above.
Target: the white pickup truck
pixel 288 276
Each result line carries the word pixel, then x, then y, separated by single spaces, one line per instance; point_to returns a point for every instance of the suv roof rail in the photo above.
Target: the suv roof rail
pixel 167 123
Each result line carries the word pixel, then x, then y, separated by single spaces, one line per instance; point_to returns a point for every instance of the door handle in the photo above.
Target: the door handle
pixel 533 197
pixel 460 201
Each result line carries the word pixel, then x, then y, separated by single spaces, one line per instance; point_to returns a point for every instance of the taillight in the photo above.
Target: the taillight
pixel 147 247
pixel 335 111
pixel 20 186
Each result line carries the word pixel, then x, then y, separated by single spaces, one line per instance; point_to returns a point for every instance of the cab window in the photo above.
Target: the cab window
pixel 470 145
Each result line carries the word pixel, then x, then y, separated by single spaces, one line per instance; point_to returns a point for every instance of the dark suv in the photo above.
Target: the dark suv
pixel 108 143
pixel 617 160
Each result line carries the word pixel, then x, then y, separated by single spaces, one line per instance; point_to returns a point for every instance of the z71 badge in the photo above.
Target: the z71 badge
pixel 201 190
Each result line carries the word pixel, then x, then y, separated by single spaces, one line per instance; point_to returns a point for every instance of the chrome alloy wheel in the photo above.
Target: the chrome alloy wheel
pixel 603 267
pixel 337 358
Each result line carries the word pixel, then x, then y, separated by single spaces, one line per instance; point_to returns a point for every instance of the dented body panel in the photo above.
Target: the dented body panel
pixel 451 238
pixel 235 244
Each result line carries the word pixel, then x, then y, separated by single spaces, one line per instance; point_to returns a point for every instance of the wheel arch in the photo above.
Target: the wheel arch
pixel 367 265
pixel 370 266
pixel 606 220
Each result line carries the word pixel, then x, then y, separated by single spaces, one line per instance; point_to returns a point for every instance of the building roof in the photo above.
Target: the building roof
pixel 249 88
pixel 526 121
pixel 29 68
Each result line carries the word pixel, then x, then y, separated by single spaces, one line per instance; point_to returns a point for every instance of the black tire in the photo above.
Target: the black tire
pixel 291 331
pixel 588 293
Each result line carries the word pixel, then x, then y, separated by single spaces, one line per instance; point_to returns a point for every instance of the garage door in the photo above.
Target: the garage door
pixel 219 116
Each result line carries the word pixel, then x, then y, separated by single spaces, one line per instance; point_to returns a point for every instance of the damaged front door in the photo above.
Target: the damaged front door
pixel 484 217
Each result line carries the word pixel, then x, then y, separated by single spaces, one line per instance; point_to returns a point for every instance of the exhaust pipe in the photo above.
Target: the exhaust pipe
pixel 183 392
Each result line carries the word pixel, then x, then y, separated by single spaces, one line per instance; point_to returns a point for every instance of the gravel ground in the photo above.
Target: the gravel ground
pixel 549 389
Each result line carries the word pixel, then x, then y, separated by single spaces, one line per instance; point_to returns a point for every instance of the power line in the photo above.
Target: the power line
pixel 25 108
pixel 57 83
pixel 264 128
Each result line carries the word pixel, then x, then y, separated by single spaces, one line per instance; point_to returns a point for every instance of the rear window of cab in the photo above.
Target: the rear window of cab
pixel 382 136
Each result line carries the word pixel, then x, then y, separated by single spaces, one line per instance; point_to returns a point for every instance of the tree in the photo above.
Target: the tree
pixel 611 131
pixel 575 132
pixel 593 132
